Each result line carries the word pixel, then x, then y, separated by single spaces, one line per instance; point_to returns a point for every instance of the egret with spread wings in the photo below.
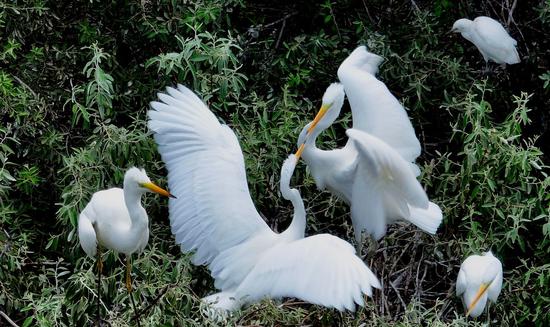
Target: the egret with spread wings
pixel 214 217
pixel 375 171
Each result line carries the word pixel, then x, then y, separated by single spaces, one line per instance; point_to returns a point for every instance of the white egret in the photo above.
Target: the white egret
pixel 374 172
pixel 479 280
pixel 114 219
pixel 490 38
pixel 215 217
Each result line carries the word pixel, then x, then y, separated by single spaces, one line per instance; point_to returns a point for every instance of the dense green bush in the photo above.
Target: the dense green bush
pixel 75 82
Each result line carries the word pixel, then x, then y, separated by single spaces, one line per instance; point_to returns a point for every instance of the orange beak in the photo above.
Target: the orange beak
pixel 322 112
pixel 482 289
pixel 299 152
pixel 156 189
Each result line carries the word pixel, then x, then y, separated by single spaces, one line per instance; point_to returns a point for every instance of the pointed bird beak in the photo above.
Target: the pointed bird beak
pixel 299 152
pixel 482 289
pixel 156 189
pixel 322 112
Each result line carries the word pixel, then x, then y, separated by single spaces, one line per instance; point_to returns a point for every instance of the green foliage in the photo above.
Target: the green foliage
pixel 497 191
pixel 75 82
pixel 98 92
pixel 209 60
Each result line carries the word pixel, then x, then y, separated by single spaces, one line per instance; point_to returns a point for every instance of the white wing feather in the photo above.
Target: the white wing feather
pixel 385 188
pixel 427 219
pixel 320 269
pixel 383 161
pixel 87 235
pixel 461 282
pixel 367 206
pixel 496 40
pixel 375 110
pixel 492 31
pixel 214 210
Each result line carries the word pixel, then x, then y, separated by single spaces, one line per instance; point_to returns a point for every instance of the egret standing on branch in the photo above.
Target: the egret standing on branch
pixel 216 218
pixel 115 219
pixel 479 280
pixel 490 38
pixel 375 171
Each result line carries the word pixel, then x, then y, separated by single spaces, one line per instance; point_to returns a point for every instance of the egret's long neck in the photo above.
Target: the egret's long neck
pixel 311 144
pixel 297 227
pixel 132 199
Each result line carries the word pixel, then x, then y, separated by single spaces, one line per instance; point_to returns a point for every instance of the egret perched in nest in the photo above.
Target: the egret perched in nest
pixel 114 219
pixel 216 218
pixel 479 280
pixel 490 38
pixel 375 171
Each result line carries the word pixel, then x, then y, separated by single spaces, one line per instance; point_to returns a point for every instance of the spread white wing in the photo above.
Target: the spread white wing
pixel 320 269
pixel 375 110
pixel 213 211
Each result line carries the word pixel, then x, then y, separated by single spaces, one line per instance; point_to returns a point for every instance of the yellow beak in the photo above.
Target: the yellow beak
pixel 154 188
pixel 482 289
pixel 299 152
pixel 322 112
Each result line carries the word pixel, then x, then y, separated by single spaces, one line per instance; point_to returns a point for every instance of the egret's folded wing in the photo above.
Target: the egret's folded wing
pixel 213 210
pixel 461 282
pixel 320 269
pixel 493 34
pixel 87 235
pixel 496 286
pixel 374 108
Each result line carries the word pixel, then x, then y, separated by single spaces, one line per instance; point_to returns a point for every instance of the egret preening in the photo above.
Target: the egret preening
pixel 490 38
pixel 216 218
pixel 375 171
pixel 114 219
pixel 479 280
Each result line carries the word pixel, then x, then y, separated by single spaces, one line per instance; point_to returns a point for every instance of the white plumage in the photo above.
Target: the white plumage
pixel 374 108
pixel 375 171
pixel 490 38
pixel 215 217
pixel 115 219
pixel 479 280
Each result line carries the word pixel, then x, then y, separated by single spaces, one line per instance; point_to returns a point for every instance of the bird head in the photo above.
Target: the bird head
pixel 491 273
pixel 461 25
pixel 287 170
pixel 333 99
pixel 138 177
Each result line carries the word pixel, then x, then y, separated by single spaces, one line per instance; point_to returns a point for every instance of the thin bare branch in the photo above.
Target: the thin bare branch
pixel 11 322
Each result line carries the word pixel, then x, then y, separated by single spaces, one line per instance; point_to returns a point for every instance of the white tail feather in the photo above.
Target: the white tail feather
pixel 514 57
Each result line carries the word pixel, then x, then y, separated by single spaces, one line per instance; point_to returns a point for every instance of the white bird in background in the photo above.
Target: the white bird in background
pixel 479 279
pixel 215 217
pixel 114 219
pixel 374 172
pixel 490 38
